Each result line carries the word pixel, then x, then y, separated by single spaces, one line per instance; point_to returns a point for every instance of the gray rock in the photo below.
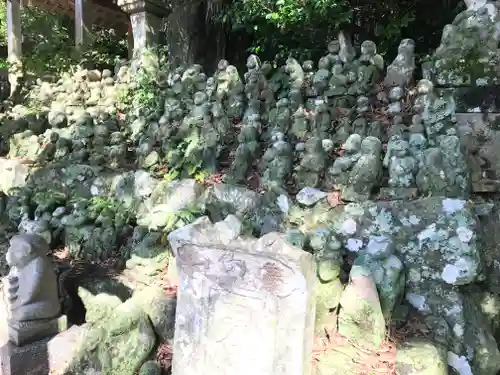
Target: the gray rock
pixel 309 196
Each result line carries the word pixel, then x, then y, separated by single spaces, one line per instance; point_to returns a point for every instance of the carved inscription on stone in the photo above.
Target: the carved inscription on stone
pixel 246 307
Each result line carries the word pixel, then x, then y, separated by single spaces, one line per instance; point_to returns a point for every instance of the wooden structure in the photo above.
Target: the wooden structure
pixel 141 18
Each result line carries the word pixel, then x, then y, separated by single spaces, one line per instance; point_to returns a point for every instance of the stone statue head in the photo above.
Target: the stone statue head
pixel 424 86
pixel 371 146
pixel 278 136
pixel 200 98
pixel 222 65
pixel 210 81
pixel 407 48
pixel 368 48
pixel 308 66
pixel 253 62
pixel 24 248
pixel 362 103
pixel 327 145
pixel 313 145
pixel 396 93
pixel 334 47
pixel 324 63
pixel 353 143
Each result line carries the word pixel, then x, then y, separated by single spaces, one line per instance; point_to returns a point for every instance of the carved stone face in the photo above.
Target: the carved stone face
pixel 353 143
pixel 253 62
pixel 406 47
pixel 396 93
pixel 327 145
pixel 368 48
pixel 334 47
pixel 308 65
pixel 23 248
pixel 200 98
pixel 223 64
pixel 324 63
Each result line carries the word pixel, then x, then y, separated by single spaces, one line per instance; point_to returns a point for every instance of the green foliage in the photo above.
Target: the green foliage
pixel 144 96
pixel 181 218
pixel 302 28
pixel 48 43
pixel 184 160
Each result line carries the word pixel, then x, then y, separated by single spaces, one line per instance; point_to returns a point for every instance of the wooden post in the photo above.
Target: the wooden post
pixel 14 46
pixel 130 40
pixel 83 23
pixel 14 35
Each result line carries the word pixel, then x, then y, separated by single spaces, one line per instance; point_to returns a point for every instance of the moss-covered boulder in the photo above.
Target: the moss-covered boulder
pixel 118 344
pixel 419 357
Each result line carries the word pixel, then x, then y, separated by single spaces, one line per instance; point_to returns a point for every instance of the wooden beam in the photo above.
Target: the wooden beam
pixel 83 22
pixel 14 35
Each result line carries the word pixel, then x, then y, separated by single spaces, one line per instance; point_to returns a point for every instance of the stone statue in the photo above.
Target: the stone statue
pixel 296 74
pixel 333 53
pixel 246 152
pixel 322 76
pixel 309 171
pixel 395 97
pixel 337 175
pixel 365 174
pixel 31 289
pixel 321 124
pixel 280 118
pixel 278 163
pixel 338 82
pixel 308 68
pixel 400 72
pixel 300 125
pixel 445 171
pixel 401 164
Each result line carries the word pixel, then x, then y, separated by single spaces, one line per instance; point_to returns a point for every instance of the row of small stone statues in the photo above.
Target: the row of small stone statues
pixel 30 291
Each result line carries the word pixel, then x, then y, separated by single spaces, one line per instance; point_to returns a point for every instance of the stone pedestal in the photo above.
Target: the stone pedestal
pixel 48 356
pixel 146 18
pixel 22 333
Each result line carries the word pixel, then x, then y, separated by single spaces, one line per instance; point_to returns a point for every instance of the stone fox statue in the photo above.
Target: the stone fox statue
pixel 32 283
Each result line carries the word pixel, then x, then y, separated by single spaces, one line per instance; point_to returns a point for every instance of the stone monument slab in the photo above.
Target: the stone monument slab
pixel 244 306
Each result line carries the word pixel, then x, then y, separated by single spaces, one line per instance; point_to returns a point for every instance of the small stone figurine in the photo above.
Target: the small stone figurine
pixel 32 291
pixel 308 173
pixel 337 175
pixel 402 165
pixel 278 163
pixel 365 174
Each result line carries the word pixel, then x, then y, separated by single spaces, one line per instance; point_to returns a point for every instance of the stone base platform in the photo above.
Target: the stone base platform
pixel 48 356
pixel 22 333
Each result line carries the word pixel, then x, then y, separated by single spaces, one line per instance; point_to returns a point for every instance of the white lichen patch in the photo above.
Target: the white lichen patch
pixel 379 246
pixel 283 203
pixel 465 234
pixel 349 227
pixel 458 330
pixel 418 301
pixel 383 222
pixel 459 363
pixel 461 272
pixel 414 220
pixel 354 245
pixel 450 206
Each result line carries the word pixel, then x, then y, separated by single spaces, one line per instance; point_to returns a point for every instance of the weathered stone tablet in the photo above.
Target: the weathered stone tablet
pixel 245 306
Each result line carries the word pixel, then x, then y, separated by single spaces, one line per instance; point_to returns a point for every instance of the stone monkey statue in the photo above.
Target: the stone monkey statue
pixel 31 285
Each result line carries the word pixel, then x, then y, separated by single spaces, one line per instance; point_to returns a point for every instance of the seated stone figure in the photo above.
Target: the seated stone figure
pixel 31 290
